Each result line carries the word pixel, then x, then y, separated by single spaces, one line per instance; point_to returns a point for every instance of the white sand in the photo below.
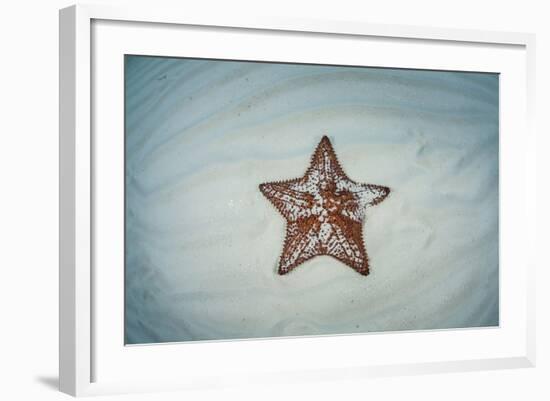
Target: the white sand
pixel 203 243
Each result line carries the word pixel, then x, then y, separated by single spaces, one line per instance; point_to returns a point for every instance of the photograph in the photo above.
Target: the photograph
pixel 275 201
pixel 268 199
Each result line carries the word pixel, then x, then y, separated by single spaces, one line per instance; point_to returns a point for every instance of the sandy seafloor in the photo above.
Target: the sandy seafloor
pixel 202 243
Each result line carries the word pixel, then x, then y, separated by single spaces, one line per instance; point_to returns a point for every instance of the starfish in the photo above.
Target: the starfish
pixel 324 211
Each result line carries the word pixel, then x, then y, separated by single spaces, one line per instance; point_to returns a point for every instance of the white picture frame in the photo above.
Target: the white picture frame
pixel 78 369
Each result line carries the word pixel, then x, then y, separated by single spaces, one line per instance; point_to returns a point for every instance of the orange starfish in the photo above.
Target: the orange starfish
pixel 324 211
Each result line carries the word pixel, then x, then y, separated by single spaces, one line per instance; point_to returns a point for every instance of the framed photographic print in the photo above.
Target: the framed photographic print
pixel 272 200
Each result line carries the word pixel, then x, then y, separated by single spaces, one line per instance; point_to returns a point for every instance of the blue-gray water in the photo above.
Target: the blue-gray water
pixel 202 243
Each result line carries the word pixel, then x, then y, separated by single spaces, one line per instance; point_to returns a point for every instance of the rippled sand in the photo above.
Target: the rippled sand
pixel 202 243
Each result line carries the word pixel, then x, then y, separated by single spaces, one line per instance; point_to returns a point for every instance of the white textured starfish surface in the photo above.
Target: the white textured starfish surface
pixel 324 211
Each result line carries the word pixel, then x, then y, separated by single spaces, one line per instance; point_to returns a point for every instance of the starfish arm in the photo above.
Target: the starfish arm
pixel 289 200
pixel 363 196
pixel 324 166
pixel 346 244
pixel 301 244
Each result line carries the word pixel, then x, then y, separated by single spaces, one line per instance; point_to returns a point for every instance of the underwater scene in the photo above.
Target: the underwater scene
pixel 278 199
